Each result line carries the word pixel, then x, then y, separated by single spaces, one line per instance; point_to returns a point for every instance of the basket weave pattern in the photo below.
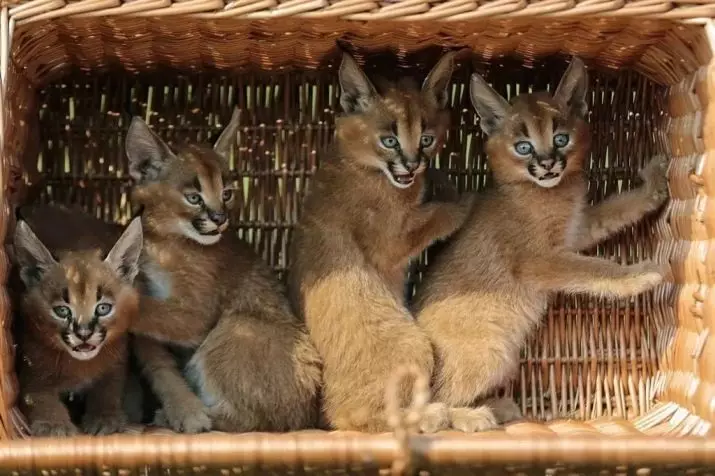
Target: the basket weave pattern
pixel 74 72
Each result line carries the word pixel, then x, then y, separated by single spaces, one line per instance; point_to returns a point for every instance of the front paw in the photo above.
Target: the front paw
pixel 471 420
pixel 435 418
pixel 53 428
pixel 104 424
pixel 655 178
pixel 186 419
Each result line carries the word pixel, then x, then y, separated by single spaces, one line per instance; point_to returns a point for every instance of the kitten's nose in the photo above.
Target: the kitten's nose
pixel 219 218
pixel 83 332
pixel 548 164
pixel 411 166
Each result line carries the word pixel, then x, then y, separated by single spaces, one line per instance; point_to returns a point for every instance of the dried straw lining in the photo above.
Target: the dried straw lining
pixel 42 51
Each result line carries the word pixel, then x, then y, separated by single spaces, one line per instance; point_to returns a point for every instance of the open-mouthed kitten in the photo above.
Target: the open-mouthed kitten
pixel 363 220
pixel 489 287
pixel 75 311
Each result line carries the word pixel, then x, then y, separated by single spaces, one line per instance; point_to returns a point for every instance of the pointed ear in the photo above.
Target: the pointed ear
pixel 489 104
pixel 227 139
pixel 572 89
pixel 33 258
pixel 356 90
pixel 437 81
pixel 124 255
pixel 147 153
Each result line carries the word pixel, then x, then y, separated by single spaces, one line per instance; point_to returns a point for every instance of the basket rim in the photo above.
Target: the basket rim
pixel 691 11
pixel 345 448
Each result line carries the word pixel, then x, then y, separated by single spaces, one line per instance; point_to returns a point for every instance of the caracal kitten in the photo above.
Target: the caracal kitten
pixel 72 336
pixel 363 220
pixel 489 287
pixel 88 232
pixel 254 368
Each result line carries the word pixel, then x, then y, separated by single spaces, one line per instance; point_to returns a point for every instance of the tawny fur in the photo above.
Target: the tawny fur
pixel 254 368
pixel 81 281
pixel 489 287
pixel 363 220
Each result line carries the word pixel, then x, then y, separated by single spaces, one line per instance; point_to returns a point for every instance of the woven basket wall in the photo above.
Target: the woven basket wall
pixel 610 386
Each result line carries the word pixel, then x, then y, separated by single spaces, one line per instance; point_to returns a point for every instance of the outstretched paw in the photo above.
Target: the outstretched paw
pixel 646 276
pixel 470 420
pixel 655 178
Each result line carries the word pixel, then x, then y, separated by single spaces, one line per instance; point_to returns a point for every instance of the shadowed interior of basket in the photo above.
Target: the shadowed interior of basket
pixel 591 357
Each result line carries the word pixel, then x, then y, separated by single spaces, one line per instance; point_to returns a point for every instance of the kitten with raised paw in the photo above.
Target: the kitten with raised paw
pixel 251 366
pixel 489 287
pixel 74 315
pixel 364 218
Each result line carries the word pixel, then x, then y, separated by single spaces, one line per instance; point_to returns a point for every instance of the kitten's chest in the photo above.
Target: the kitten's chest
pixel 57 369
pixel 179 275
pixel 563 221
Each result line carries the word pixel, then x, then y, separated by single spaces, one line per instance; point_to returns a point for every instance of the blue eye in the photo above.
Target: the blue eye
pixel 561 140
pixel 62 312
pixel 227 194
pixel 426 140
pixel 523 148
pixel 193 198
pixel 389 142
pixel 103 309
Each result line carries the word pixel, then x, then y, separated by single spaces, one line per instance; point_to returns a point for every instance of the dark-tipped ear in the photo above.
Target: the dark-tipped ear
pixel 124 255
pixel 33 258
pixel 572 89
pixel 147 153
pixel 356 90
pixel 489 104
pixel 437 81
pixel 227 139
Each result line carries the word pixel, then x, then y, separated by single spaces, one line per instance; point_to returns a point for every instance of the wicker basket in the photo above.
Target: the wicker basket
pixel 623 387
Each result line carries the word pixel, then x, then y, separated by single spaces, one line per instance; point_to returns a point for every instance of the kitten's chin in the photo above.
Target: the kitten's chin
pixel 188 230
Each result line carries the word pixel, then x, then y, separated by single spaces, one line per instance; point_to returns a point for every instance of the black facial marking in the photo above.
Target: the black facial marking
pixel 554 125
pixel 100 293
pixel 196 184
pixel 66 295
pixel 423 125
pixel 523 130
pixel 393 127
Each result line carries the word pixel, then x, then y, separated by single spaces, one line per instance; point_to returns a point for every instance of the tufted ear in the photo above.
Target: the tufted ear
pixel 147 153
pixel 227 139
pixel 489 104
pixel 573 87
pixel 33 258
pixel 356 91
pixel 437 81
pixel 124 255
